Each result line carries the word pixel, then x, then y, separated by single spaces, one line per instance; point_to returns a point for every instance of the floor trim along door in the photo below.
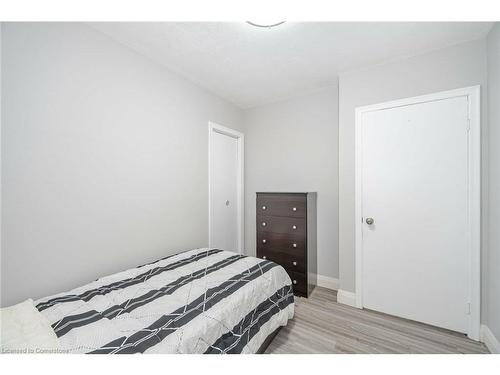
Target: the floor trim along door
pixel 328 282
pixel 346 298
pixel 490 340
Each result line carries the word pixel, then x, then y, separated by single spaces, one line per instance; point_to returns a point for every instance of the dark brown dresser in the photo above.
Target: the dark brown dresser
pixel 286 234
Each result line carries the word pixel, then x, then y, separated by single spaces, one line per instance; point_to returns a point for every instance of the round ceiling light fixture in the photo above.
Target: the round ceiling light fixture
pixel 265 25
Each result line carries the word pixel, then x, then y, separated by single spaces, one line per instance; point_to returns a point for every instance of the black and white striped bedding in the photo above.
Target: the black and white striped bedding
pixel 200 301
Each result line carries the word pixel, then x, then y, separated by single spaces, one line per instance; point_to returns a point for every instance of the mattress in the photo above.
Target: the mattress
pixel 199 301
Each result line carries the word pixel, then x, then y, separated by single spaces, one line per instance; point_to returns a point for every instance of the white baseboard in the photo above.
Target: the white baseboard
pixel 489 340
pixel 346 298
pixel 328 282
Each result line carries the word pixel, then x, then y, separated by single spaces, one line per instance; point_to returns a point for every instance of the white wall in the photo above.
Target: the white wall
pixel 104 158
pixel 493 261
pixel 1 142
pixel 459 66
pixel 292 145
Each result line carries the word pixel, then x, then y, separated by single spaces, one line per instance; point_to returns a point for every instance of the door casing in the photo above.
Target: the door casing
pixel 240 137
pixel 474 193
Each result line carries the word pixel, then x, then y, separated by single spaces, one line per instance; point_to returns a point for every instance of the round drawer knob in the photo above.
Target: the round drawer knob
pixel 264 224
pixel 264 257
pixel 294 263
pixel 294 245
pixel 294 282
pixel 294 227
pixel 264 240
pixel 264 207
pixel 294 209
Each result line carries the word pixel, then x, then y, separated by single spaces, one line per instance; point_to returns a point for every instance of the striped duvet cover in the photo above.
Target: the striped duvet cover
pixel 199 301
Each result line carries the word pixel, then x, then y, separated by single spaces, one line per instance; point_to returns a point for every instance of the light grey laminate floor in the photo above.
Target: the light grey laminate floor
pixel 321 325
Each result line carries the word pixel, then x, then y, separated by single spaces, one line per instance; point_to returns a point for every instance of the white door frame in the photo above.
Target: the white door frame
pixel 474 193
pixel 240 137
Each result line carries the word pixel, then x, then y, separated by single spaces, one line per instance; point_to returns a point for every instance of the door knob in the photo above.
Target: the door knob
pixel 227 203
pixel 369 220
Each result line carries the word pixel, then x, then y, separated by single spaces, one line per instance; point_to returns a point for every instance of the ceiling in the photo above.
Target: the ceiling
pixel 252 66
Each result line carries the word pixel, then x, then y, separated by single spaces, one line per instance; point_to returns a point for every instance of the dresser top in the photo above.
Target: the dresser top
pixel 285 192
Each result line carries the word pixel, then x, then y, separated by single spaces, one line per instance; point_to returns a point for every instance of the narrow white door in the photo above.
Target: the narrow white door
pixel 224 193
pixel 416 258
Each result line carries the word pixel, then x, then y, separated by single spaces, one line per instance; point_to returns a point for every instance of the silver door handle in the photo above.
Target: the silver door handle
pixel 369 220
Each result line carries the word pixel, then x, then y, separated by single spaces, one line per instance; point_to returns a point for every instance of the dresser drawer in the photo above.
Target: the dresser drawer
pixel 284 242
pixel 284 225
pixel 299 282
pixel 289 205
pixel 290 262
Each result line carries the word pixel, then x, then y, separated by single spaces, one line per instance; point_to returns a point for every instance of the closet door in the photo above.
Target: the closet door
pixel 224 188
pixel 415 230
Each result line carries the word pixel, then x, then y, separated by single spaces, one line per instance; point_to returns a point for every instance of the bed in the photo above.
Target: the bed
pixel 199 301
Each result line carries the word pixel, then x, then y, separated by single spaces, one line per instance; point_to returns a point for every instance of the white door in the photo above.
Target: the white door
pixel 416 257
pixel 224 192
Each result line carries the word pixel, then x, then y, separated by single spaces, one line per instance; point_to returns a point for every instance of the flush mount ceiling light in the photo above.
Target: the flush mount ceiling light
pixel 265 24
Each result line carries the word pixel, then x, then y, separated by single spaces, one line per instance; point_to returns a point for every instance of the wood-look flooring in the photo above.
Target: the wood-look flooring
pixel 321 325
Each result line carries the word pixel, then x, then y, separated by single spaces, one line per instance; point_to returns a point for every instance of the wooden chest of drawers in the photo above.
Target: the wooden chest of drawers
pixel 286 234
